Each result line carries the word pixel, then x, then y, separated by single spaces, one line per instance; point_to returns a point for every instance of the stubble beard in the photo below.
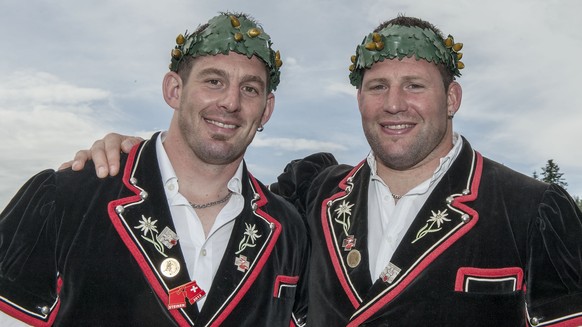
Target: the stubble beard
pixel 216 151
pixel 409 156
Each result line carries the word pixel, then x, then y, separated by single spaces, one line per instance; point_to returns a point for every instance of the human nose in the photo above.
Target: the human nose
pixel 394 101
pixel 230 100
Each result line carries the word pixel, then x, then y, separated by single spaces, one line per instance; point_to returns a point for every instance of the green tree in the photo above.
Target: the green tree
pixel 551 174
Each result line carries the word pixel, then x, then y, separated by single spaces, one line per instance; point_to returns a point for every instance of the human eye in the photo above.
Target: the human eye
pixel 415 86
pixel 213 82
pixel 376 87
pixel 250 90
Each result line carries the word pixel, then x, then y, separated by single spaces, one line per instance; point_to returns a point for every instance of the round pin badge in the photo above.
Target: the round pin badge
pixel 354 258
pixel 170 267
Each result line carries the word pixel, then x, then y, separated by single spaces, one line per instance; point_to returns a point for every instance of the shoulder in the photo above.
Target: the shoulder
pixel 68 180
pixel 511 179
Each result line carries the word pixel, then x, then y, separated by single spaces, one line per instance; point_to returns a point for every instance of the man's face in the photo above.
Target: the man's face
pixel 222 104
pixel 404 108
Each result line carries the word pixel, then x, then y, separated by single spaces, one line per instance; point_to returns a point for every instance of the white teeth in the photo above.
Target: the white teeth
pixel 219 124
pixel 396 127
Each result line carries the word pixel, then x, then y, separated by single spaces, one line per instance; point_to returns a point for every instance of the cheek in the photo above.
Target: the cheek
pixel 369 106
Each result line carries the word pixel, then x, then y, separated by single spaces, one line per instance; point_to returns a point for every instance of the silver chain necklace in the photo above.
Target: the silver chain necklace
pixel 396 196
pixel 213 203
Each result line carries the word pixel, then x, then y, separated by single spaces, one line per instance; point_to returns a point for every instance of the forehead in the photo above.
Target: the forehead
pixel 407 67
pixel 232 63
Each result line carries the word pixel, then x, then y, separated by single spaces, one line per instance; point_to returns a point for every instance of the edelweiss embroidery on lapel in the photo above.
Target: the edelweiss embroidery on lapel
pixel 343 216
pixel 344 213
pixel 249 239
pixel 438 218
pixel 148 226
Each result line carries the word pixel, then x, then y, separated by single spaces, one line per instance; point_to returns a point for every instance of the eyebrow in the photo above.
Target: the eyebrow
pixel 222 73
pixel 406 78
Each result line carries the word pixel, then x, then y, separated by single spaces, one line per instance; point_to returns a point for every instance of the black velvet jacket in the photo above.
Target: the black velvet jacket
pixel 490 247
pixel 74 252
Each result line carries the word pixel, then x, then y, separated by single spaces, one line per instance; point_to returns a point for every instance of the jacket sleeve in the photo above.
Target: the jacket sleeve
pixel 554 262
pixel 294 183
pixel 28 273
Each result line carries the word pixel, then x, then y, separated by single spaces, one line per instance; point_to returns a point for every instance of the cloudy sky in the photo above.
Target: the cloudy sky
pixel 71 71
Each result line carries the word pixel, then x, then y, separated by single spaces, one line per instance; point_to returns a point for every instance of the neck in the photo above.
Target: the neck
pixel 400 181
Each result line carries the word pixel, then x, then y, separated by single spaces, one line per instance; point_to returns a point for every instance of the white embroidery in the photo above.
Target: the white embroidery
pixel 148 226
pixel 250 237
pixel 344 212
pixel 437 218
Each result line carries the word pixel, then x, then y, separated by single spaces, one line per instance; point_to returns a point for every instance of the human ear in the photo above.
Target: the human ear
pixel 454 97
pixel 269 107
pixel 172 89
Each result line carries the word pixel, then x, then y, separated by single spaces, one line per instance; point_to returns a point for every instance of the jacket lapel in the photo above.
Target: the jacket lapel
pixel 442 221
pixel 345 227
pixel 144 223
pixel 253 238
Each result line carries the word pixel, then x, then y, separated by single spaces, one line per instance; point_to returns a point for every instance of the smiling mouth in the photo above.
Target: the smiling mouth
pixel 221 125
pixel 398 127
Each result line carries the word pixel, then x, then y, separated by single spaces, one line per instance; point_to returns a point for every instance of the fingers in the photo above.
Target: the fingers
pixel 105 154
pixel 79 161
pixel 66 165
pixel 98 153
pixel 129 142
pixel 108 152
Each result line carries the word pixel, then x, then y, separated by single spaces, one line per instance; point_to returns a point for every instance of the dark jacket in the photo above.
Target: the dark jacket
pixel 490 247
pixel 72 253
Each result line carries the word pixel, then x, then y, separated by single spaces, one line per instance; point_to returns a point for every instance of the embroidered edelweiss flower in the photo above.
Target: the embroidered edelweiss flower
pixel 344 209
pixel 249 238
pixel 439 217
pixel 252 233
pixel 147 225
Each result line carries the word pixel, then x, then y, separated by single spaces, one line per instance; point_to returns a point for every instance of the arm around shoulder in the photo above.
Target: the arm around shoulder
pixel 294 183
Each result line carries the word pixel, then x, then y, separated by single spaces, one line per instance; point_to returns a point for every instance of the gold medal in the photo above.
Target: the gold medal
pixel 170 267
pixel 354 258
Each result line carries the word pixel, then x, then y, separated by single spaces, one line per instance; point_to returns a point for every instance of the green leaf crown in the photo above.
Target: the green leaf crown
pixel 230 32
pixel 397 41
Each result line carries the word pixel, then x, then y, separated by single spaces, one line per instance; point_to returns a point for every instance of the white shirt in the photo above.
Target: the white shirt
pixel 389 220
pixel 202 254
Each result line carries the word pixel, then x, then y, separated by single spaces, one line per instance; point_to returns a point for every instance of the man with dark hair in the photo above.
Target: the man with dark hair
pixel 426 231
pixel 185 235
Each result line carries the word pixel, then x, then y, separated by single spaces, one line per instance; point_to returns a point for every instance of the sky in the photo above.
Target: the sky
pixel 72 71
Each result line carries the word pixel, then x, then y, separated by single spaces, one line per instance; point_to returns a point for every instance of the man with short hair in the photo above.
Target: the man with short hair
pixel 185 235
pixel 426 231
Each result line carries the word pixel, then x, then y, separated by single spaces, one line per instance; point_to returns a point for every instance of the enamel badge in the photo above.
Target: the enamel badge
pixel 241 263
pixel 190 291
pixel 168 238
pixel 389 273
pixel 349 242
